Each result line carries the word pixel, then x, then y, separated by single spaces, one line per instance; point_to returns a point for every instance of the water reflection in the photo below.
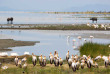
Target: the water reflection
pixel 61 41
pixel 43 18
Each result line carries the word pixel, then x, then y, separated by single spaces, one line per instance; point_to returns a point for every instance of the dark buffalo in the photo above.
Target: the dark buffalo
pixel 10 19
pixel 93 19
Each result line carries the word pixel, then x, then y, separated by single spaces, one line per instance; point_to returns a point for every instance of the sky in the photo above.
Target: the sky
pixel 54 5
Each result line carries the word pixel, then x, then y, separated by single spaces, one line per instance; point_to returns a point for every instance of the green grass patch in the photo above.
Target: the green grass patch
pixel 94 49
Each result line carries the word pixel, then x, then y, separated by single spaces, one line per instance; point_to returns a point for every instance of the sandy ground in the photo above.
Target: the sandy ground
pixel 6 43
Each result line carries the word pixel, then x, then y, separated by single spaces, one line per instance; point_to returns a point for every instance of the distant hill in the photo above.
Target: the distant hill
pixel 95 7
pixel 89 8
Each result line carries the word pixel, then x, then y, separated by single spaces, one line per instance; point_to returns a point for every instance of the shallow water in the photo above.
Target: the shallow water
pixel 44 18
pixel 51 40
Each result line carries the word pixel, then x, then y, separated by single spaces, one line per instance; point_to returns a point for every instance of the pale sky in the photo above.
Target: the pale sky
pixel 53 5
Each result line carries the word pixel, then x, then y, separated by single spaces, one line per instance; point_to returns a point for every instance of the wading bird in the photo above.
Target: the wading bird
pixel 40 60
pixel 51 59
pixel 61 61
pixel 16 61
pixel 19 64
pixel 34 59
pixel 73 66
pixel 0 64
pixel 67 56
pixel 44 61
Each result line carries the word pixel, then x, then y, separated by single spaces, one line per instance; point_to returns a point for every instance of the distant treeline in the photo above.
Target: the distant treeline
pixel 88 12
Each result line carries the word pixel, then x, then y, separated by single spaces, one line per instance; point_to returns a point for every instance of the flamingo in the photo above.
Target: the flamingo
pixel 91 37
pixel 79 37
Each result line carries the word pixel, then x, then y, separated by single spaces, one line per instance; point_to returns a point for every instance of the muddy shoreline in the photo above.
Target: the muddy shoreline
pixel 6 43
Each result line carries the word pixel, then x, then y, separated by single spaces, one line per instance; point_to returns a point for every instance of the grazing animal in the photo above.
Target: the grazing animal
pixel 16 61
pixel 93 19
pixel 34 59
pixel 61 61
pixel 10 19
pixel 67 56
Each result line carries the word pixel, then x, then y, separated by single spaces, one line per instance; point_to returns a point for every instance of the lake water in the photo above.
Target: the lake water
pixel 51 40
pixel 44 18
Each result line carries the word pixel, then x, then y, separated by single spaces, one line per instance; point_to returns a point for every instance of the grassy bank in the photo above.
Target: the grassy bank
pixel 51 69
pixel 52 27
pixel 67 27
pixel 94 49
